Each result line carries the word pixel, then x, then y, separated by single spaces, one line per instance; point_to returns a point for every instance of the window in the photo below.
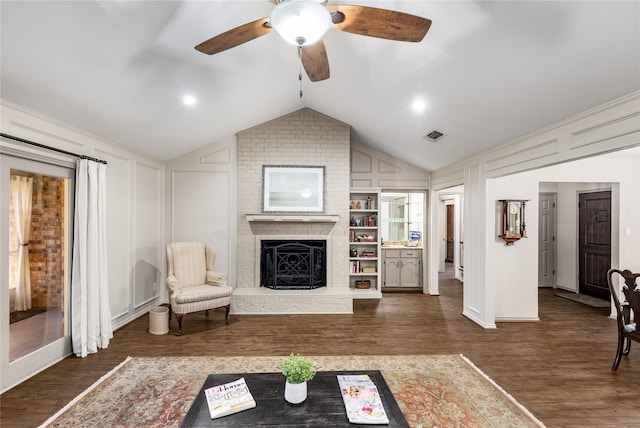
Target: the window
pixel 402 215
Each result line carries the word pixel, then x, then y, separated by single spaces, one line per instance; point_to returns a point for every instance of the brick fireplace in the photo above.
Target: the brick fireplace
pixel 305 138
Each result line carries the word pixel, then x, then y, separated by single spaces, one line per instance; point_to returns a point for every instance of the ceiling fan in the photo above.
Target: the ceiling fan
pixel 304 22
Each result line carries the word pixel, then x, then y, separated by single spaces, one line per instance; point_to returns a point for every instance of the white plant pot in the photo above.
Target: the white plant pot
pixel 295 393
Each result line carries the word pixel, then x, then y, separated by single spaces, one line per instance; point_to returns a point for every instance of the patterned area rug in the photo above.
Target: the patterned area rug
pixel 432 391
pixel 584 299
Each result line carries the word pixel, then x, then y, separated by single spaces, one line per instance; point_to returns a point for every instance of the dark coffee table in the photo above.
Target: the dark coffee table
pixel 322 408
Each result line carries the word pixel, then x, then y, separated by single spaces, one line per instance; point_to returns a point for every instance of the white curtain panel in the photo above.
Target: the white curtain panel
pixel 90 312
pixel 21 190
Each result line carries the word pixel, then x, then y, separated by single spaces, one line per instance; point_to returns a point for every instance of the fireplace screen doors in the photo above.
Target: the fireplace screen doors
pixel 298 265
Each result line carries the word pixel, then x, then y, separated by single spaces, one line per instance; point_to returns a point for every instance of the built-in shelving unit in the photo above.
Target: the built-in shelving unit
pixel 364 243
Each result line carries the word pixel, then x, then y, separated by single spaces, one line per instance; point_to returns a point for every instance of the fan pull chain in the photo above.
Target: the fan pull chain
pixel 300 70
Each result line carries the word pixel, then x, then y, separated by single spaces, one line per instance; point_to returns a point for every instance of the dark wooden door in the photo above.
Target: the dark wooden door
pixel 450 233
pixel 594 243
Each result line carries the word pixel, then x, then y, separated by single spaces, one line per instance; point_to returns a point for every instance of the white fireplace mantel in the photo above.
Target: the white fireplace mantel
pixel 294 218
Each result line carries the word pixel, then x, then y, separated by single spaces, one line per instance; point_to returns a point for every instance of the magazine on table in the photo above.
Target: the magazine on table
pixel 229 398
pixel 362 400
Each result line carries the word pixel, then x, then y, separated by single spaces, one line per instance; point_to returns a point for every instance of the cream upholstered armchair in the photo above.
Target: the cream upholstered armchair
pixel 193 285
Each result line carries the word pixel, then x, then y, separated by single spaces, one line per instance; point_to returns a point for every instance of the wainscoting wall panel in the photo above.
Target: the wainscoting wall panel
pixel 148 224
pixel 119 233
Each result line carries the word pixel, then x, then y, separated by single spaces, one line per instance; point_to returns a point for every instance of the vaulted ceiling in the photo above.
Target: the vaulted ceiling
pixel 486 72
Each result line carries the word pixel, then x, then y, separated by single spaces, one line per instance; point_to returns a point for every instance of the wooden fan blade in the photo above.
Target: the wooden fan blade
pixel 315 61
pixel 381 23
pixel 235 36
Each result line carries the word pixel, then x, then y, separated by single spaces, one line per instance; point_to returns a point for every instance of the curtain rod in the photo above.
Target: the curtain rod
pixel 22 140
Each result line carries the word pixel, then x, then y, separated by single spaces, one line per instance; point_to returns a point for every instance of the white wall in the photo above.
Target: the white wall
pixel 499 280
pixel 372 168
pixel 134 202
pixel 619 172
pixel 147 233
pixel 134 225
pixel 515 267
pixel 201 195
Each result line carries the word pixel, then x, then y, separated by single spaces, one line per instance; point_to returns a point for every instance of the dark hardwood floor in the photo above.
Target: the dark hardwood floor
pixel 559 368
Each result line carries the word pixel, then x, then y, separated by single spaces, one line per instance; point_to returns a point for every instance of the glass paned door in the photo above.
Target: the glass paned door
pixel 36 247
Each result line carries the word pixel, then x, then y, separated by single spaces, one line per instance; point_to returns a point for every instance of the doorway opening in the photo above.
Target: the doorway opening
pixel 594 243
pixel 577 222
pixel 38 259
pixel 36 213
pixel 451 227
pixel 451 233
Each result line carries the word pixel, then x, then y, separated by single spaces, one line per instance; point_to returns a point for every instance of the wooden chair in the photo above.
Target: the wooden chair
pixel 628 328
pixel 192 283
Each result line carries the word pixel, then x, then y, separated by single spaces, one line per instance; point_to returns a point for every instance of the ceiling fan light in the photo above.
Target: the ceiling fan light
pixel 300 22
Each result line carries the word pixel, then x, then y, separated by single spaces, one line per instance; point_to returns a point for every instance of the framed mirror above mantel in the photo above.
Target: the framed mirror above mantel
pixel 292 189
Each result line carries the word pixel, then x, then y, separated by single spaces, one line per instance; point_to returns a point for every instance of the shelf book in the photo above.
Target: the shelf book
pixel 362 400
pixel 364 243
pixel 229 398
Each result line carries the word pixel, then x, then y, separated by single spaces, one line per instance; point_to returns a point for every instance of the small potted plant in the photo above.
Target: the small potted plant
pixel 297 370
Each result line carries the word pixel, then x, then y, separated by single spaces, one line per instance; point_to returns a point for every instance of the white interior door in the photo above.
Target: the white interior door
pixel 547 240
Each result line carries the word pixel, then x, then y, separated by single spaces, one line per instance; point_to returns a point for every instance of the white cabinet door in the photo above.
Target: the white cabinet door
pixel 392 266
pixel 410 273
pixel 402 268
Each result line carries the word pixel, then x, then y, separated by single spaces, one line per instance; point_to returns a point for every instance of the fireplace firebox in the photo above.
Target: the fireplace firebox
pixel 293 264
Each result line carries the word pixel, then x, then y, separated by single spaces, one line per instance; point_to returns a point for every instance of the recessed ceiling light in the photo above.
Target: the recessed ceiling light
pixel 189 100
pixel 419 105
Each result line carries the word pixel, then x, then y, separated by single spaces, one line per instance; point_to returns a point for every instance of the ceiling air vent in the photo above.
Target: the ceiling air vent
pixel 434 135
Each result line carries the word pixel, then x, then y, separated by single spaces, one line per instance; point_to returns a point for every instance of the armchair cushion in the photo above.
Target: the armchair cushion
pixel 217 278
pixel 201 292
pixel 189 263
